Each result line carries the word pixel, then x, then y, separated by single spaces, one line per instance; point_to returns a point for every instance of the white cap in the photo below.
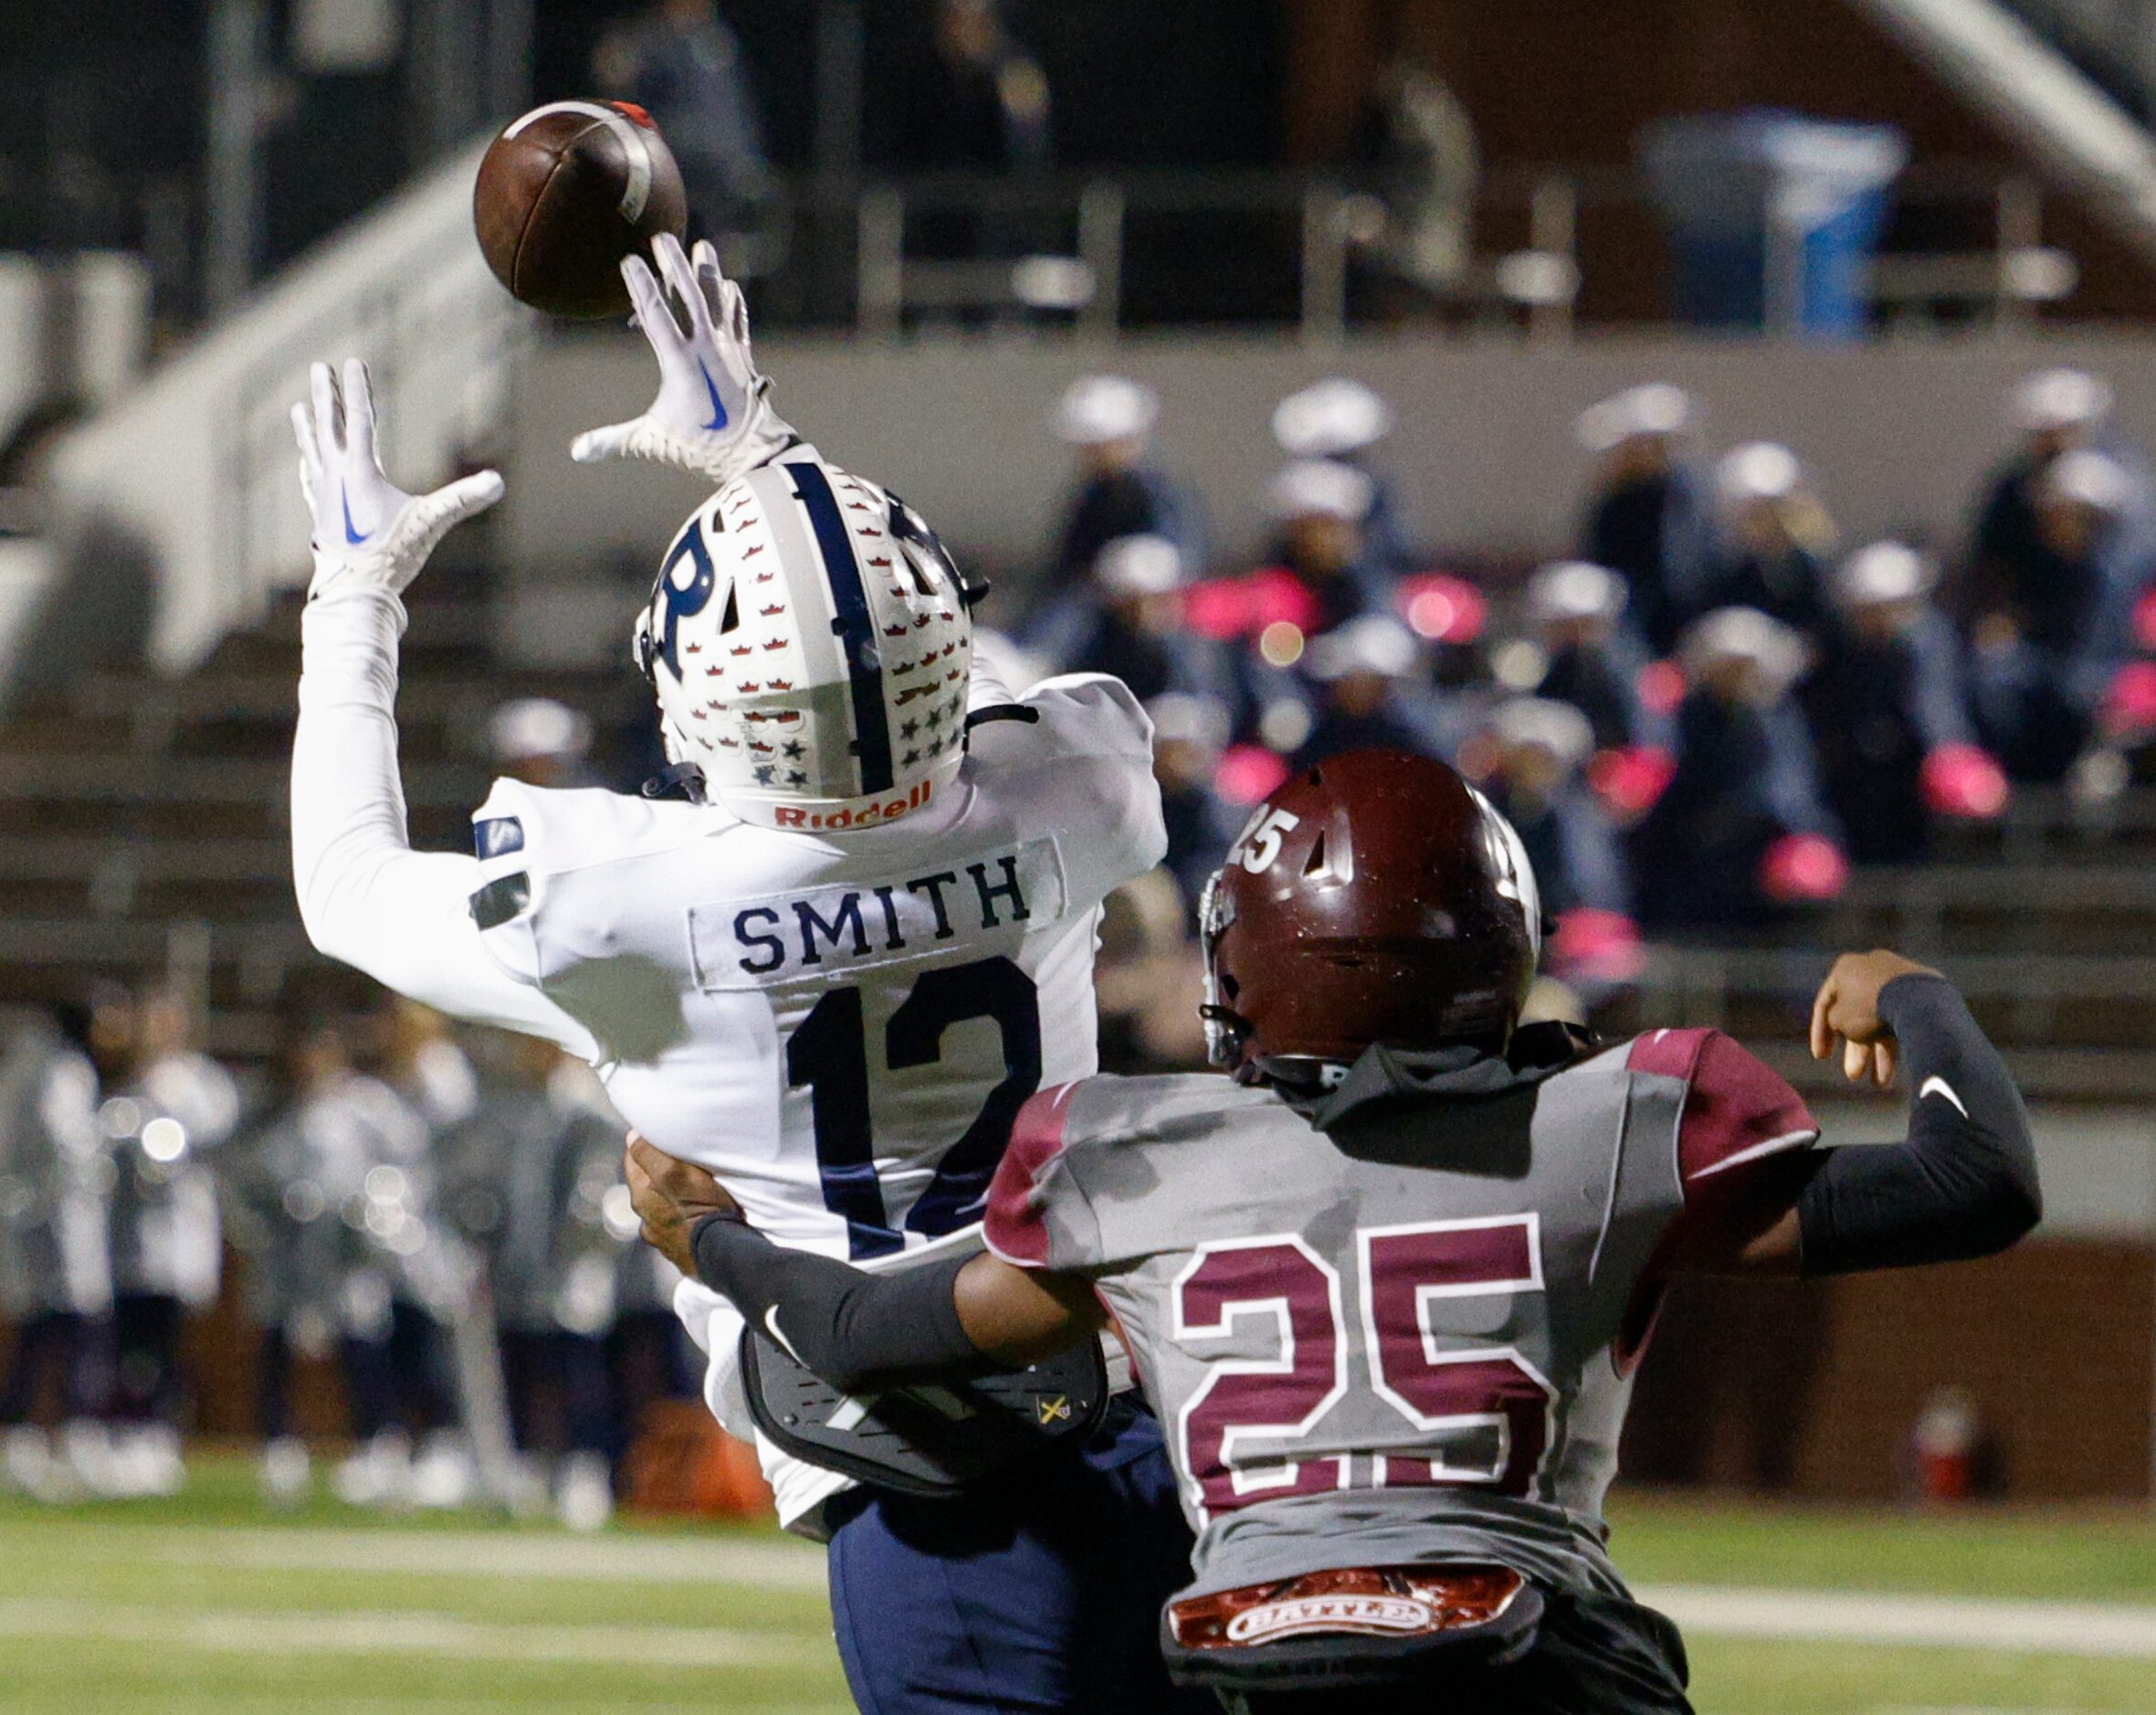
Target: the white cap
pixel 1758 471
pixel 1329 417
pixel 1179 718
pixel 1574 589
pixel 1139 565
pixel 538 726
pixel 2057 398
pixel 1744 633
pixel 1884 571
pixel 2084 478
pixel 1546 724
pixel 1655 407
pixel 1320 487
pixel 1096 409
pixel 1372 644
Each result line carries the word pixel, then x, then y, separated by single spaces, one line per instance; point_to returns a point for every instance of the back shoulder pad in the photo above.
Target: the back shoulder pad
pixel 523 834
pixel 1072 715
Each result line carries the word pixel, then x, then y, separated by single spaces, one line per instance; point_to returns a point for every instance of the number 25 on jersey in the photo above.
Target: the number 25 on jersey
pixel 1468 1411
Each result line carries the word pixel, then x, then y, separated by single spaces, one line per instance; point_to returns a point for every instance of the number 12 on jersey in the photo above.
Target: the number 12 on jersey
pixel 1455 1393
pixel 829 1053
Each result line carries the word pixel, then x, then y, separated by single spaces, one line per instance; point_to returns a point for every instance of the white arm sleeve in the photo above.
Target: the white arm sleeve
pixel 365 896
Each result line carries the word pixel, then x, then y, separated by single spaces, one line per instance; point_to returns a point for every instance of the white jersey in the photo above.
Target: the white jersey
pixel 842 1025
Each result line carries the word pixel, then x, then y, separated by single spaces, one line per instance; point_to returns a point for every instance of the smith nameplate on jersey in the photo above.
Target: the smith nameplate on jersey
pixel 754 943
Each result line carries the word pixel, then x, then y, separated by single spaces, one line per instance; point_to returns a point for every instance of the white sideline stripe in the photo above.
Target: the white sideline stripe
pixel 493 1555
pixel 405 1633
pixel 2052 1628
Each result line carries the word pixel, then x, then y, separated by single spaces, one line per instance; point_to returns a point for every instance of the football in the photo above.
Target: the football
pixel 564 192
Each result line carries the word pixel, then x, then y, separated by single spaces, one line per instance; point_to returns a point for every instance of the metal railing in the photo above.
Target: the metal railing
pixel 1964 242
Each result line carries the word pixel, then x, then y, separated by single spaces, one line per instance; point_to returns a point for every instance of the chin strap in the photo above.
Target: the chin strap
pixel 684 780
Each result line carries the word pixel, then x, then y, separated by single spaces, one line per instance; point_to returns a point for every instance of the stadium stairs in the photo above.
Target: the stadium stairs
pixel 2047 919
pixel 146 817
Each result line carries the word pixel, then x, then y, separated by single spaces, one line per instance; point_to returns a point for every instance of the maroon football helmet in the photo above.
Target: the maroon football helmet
pixel 1376 897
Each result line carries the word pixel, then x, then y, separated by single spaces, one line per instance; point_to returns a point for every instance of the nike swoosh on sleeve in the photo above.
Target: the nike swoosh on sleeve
pixel 1936 1086
pixel 354 537
pixel 718 419
pixel 771 1323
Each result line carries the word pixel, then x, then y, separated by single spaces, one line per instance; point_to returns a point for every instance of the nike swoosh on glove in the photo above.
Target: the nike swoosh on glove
pixel 713 414
pixel 368 532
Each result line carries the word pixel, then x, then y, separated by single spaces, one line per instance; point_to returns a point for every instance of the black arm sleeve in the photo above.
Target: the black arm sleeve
pixel 852 1328
pixel 1963 1186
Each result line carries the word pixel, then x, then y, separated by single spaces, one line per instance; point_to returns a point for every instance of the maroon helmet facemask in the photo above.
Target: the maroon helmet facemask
pixel 1376 897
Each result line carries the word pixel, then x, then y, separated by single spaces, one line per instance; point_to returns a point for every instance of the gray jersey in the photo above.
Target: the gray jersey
pixel 1407 1337
pixel 167 1236
pixel 55 1182
pixel 533 1179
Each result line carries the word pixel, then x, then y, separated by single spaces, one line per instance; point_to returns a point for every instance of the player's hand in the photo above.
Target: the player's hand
pixel 368 532
pixel 670 1197
pixel 1847 1007
pixel 713 414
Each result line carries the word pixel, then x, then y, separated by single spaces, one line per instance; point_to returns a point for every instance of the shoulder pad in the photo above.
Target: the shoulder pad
pixel 1074 714
pixel 523 833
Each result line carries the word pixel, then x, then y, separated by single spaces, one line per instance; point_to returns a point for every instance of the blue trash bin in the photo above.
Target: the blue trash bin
pixel 1773 217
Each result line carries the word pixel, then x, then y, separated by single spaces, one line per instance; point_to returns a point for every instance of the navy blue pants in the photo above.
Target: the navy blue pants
pixel 1039 1593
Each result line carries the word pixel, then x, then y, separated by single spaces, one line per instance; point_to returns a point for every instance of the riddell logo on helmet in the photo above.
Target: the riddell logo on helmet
pixel 1368 1614
pixel 867 816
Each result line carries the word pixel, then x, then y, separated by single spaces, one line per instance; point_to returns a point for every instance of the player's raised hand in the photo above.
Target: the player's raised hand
pixel 367 530
pixel 1847 1008
pixel 713 414
pixel 670 1197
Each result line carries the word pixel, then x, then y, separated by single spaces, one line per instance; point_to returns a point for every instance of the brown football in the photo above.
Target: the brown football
pixel 567 190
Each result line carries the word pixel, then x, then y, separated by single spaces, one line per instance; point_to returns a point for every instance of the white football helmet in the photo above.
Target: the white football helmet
pixel 810 643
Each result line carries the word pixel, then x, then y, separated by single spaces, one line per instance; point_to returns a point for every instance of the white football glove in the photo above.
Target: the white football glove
pixel 713 414
pixel 368 532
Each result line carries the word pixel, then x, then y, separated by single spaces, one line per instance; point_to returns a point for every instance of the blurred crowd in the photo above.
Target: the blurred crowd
pixel 1698 723
pixel 438 1221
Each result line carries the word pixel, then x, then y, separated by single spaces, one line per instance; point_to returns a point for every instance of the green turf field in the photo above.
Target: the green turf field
pixel 211 1603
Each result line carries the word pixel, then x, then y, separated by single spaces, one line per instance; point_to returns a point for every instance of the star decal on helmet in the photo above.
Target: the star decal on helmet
pixel 794 749
pixel 911 758
pixel 910 728
pixel 935 718
pixel 795 777
pixel 765 773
